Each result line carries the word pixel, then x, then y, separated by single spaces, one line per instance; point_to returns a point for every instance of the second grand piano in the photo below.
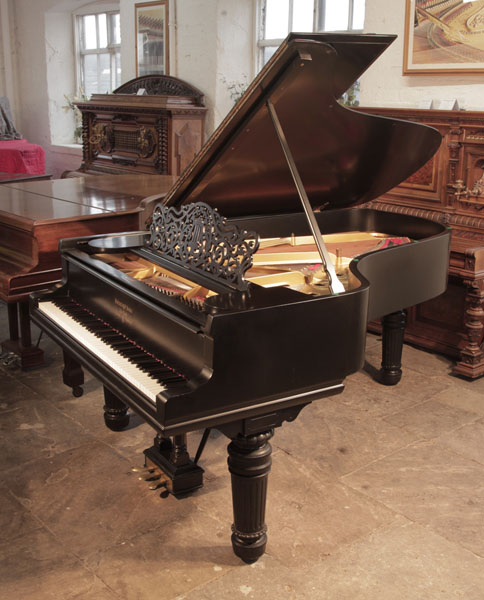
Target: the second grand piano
pixel 196 324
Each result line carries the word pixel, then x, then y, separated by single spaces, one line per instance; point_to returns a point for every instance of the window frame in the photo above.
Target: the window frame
pixel 111 48
pixel 318 25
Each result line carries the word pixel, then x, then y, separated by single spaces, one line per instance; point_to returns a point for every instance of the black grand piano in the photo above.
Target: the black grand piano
pixel 250 295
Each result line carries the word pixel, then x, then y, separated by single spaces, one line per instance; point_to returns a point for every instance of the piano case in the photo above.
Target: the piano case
pixel 171 322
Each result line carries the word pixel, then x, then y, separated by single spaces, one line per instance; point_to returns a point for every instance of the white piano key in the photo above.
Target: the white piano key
pixel 126 369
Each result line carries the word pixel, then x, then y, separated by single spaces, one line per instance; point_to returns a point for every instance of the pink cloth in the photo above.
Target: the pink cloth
pixel 19 156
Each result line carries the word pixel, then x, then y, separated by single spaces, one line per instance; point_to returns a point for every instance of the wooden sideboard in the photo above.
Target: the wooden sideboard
pixel 449 189
pixel 157 132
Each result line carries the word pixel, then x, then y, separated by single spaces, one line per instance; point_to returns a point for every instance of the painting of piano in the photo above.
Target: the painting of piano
pixel 243 303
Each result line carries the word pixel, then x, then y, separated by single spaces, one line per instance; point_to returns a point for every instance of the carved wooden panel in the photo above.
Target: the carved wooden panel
pixel 449 189
pixel 158 133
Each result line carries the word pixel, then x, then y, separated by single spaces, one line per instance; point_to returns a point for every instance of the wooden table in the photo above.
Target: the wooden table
pixel 35 215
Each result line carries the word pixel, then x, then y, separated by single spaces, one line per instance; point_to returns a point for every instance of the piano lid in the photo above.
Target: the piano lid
pixel 343 157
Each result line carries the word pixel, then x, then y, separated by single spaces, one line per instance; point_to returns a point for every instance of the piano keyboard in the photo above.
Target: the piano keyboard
pixel 143 370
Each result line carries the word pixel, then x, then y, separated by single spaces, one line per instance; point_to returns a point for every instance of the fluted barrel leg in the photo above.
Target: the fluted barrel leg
pixel 249 464
pixel 393 328
pixel 116 414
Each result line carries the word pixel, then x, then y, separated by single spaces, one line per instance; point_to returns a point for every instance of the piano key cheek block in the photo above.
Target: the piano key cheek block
pixel 249 296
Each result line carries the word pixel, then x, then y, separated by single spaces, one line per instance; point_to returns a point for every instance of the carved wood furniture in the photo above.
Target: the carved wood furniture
pixel 159 132
pixel 35 215
pixel 449 189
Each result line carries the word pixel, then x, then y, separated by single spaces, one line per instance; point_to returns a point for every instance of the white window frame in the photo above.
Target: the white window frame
pixel 95 9
pixel 318 25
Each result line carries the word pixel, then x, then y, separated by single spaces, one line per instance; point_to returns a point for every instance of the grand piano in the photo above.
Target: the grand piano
pixel 35 215
pixel 242 304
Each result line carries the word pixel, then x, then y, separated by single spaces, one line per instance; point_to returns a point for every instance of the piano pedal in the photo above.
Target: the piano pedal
pixel 162 474
pixel 10 360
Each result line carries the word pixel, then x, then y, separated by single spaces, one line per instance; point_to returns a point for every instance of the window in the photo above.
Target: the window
pixel 279 17
pixel 99 41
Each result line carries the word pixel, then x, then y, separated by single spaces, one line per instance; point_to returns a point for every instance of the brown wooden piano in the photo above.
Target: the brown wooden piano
pixel 156 132
pixel 34 216
pixel 230 311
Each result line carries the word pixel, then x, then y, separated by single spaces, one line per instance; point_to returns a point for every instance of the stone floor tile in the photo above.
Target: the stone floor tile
pixel 430 485
pixel 464 395
pixel 344 438
pixel 15 520
pixel 363 394
pixel 431 419
pixel 401 561
pixel 467 441
pixel 37 566
pixel 85 497
pixel 267 578
pixel 308 518
pixel 186 552
pixel 32 428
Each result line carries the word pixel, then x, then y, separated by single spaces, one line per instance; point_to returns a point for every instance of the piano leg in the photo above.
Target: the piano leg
pixel 116 414
pixel 249 464
pixel 393 328
pixel 72 374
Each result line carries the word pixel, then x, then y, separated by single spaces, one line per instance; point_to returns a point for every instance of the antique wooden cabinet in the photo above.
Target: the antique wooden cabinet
pixel 449 189
pixel 152 124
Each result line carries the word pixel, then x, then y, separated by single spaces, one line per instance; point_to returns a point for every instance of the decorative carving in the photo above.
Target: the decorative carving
pixel 146 142
pixel 157 85
pixel 197 237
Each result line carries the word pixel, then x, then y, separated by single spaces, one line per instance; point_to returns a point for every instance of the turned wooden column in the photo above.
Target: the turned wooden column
pixel 72 374
pixel 471 363
pixel 249 463
pixel 393 328
pixel 116 414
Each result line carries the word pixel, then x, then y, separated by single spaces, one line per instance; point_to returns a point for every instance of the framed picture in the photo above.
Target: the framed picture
pixel 444 36
pixel 151 19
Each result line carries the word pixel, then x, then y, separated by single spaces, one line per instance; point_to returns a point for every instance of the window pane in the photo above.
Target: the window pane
pixel 89 32
pixel 336 15
pixel 104 84
pixel 116 29
pixel 90 74
pixel 268 52
pixel 103 32
pixel 358 14
pixel 302 15
pixel 277 19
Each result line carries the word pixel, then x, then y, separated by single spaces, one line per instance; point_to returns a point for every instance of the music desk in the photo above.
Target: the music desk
pixel 35 215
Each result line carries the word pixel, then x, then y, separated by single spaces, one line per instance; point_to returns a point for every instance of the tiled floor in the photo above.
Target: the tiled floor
pixel 377 494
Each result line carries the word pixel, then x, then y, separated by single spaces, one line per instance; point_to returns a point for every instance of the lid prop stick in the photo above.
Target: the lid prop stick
pixel 335 285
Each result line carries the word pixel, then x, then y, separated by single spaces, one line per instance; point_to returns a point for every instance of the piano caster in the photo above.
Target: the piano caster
pixel 116 414
pixel 77 391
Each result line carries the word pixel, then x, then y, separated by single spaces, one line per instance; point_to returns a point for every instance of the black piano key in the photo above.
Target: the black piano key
pixel 127 348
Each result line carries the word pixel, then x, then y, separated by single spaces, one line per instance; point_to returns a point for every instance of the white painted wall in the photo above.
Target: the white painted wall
pixel 384 84
pixel 212 44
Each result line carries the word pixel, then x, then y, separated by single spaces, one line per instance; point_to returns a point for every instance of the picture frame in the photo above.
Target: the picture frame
pixel 443 37
pixel 151 35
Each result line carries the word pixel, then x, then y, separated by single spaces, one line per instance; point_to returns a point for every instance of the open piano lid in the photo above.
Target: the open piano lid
pixel 343 157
